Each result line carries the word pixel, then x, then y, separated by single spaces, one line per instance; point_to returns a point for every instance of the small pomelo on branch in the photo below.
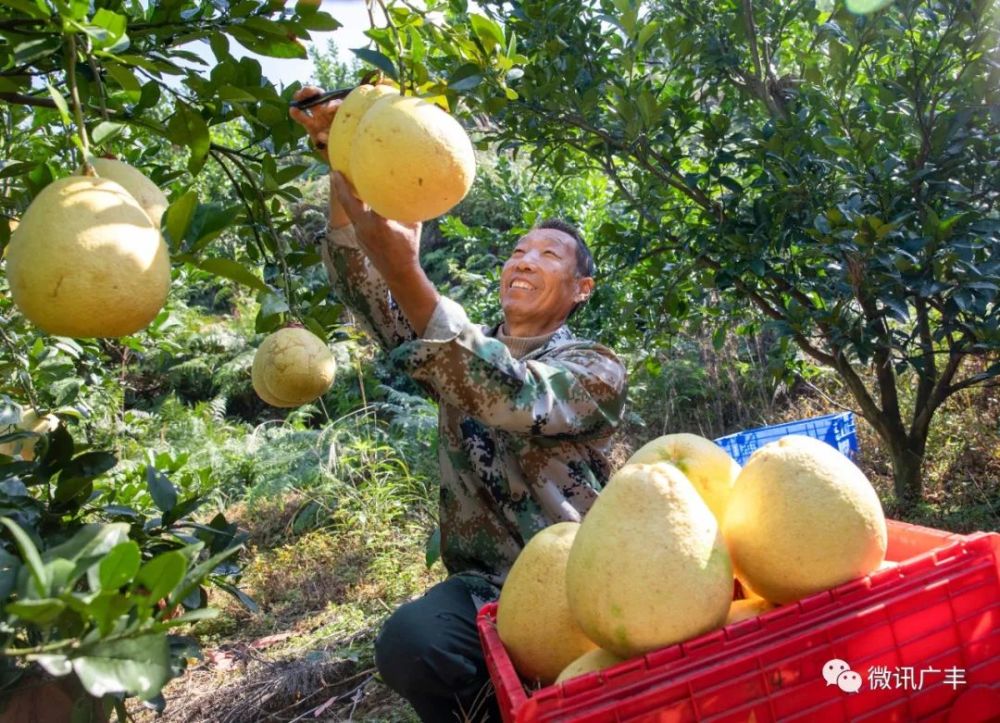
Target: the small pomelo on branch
pixel 86 261
pixel 31 421
pixel 292 367
pixel 411 161
pixel 148 194
pixel 345 124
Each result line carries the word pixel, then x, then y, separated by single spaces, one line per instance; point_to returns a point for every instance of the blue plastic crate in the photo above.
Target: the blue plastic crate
pixel 837 430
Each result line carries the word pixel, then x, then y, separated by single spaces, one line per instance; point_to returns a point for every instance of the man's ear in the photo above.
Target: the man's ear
pixel 584 288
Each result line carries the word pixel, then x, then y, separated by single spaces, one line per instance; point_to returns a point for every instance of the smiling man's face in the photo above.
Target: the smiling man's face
pixel 539 284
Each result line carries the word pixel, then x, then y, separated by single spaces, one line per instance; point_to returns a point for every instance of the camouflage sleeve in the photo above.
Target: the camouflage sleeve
pixel 578 391
pixel 362 290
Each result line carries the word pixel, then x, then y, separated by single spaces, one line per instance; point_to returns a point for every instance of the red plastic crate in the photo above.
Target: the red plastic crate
pixel 939 609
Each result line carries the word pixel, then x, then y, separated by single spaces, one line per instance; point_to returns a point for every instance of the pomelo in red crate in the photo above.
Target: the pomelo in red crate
pixel 649 566
pixel 533 617
pixel 589 662
pixel 802 518
pixel 707 465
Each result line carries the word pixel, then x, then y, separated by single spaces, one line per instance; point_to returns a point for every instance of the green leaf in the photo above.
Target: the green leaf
pixel 864 7
pixel 162 574
pixel 93 540
pixel 433 549
pixel 273 45
pixel 90 465
pixel 210 220
pixel 114 25
pixel 187 128
pixel 40 612
pixel 161 489
pixel 69 488
pixel 126 79
pixel 488 32
pixel 199 572
pixel 119 566
pixel 29 553
pixel 60 102
pixel 380 61
pixel 646 33
pixel 34 50
pixel 232 93
pixel 136 666
pixel 229 269
pixel 323 22
pixel 105 131
pixel 178 219
pixel 32 9
pixel 248 602
pixel 465 78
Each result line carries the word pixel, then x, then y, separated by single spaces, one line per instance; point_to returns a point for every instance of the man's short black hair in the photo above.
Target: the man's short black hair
pixel 585 265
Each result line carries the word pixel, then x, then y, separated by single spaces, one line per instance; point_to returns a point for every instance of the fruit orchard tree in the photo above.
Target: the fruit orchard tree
pixel 839 172
pixel 99 564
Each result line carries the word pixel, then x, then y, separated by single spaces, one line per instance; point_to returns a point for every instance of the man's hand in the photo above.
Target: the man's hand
pixel 317 119
pixel 393 248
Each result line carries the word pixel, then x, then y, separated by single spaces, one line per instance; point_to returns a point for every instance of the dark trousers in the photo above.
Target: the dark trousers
pixel 429 652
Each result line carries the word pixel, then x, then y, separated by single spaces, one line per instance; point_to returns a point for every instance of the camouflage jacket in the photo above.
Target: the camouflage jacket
pixel 523 442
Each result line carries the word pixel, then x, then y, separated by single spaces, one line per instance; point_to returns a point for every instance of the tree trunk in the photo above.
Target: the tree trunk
pixel 907 462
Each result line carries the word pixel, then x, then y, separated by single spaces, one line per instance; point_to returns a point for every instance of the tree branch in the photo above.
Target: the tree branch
pixel 20 99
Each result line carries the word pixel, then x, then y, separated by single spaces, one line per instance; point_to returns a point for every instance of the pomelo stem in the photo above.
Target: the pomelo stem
pixel 88 170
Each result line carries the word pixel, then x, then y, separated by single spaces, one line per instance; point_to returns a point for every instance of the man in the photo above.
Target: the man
pixel 526 412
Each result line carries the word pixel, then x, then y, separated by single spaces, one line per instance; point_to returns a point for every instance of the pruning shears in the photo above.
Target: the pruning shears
pixel 369 77
pixel 312 100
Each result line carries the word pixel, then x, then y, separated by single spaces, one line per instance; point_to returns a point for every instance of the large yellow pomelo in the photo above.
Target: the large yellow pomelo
pixel 411 161
pixel 30 422
pixel 148 194
pixel 345 124
pixel 86 261
pixel 533 618
pixel 802 518
pixel 649 566
pixel 292 367
pixel 596 659
pixel 709 467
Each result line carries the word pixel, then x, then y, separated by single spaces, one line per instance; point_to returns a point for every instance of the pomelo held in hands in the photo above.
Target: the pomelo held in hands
pixel 87 261
pixel 410 160
pixel 802 518
pixel 292 367
pixel 345 124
